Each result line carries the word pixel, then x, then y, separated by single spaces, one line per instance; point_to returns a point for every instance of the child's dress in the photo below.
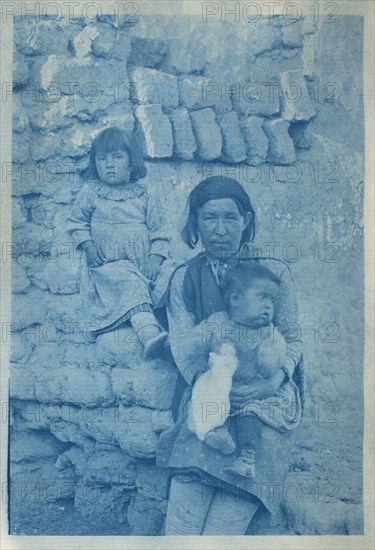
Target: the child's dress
pixel 126 223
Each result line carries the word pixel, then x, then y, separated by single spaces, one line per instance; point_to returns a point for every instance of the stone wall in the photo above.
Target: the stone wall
pixel 273 104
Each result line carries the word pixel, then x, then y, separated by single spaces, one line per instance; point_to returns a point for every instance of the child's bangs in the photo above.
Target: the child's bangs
pixel 111 140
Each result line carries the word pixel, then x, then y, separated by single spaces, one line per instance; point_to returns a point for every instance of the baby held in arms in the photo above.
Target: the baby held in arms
pixel 241 345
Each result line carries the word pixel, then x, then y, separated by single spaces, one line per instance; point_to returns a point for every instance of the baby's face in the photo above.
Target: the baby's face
pixel 113 168
pixel 256 306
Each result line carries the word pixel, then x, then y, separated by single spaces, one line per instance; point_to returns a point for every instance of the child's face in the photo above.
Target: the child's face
pixel 113 168
pixel 255 306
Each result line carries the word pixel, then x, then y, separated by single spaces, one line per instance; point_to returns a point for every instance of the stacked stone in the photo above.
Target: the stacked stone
pixel 189 116
pixel 186 117
pixel 97 415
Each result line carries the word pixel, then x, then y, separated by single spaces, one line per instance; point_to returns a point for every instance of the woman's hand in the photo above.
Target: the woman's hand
pixel 93 256
pixel 258 389
pixel 153 266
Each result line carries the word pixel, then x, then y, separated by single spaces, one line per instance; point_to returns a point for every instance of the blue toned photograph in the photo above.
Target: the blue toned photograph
pixel 187 270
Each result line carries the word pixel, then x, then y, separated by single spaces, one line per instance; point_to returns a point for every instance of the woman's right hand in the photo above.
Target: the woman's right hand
pixel 93 256
pixel 240 396
pixel 258 389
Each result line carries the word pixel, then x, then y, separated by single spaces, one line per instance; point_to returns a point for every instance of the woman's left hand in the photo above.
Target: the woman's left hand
pixel 153 266
pixel 258 389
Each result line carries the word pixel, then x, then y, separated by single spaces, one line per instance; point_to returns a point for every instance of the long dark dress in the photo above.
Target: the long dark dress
pixel 194 296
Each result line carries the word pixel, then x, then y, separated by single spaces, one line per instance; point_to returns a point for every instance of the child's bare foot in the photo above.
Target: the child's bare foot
pixel 221 440
pixel 244 465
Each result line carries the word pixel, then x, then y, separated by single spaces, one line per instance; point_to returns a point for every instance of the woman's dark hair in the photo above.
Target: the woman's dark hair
pixel 114 139
pixel 217 187
pixel 241 277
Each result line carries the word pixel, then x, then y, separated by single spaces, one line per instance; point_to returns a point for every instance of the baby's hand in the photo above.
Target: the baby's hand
pixel 153 267
pixel 92 255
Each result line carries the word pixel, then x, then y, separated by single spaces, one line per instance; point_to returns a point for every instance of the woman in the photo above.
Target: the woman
pixel 203 499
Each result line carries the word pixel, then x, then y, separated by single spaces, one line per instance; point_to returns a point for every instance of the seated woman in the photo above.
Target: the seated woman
pixel 204 498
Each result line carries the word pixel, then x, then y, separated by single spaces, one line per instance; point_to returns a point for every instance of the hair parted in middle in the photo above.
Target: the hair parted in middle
pixel 115 139
pixel 217 187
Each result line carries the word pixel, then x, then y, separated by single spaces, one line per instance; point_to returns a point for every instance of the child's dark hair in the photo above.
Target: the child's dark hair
pixel 217 187
pixel 115 139
pixel 242 276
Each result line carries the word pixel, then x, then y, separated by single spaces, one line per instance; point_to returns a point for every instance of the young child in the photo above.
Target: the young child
pixel 241 345
pixel 120 227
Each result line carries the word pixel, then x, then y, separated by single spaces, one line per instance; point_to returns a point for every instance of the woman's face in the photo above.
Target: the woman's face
pixel 220 227
pixel 113 168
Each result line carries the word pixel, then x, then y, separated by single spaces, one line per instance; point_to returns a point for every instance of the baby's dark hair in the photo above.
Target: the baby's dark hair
pixel 242 276
pixel 115 139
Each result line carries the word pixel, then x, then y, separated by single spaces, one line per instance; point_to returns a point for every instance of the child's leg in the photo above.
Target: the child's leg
pixel 150 333
pixel 247 439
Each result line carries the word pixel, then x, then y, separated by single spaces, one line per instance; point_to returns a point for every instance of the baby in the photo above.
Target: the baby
pixel 242 345
pixel 120 227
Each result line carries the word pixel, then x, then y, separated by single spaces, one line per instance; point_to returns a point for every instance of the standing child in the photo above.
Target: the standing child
pixel 120 227
pixel 241 345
